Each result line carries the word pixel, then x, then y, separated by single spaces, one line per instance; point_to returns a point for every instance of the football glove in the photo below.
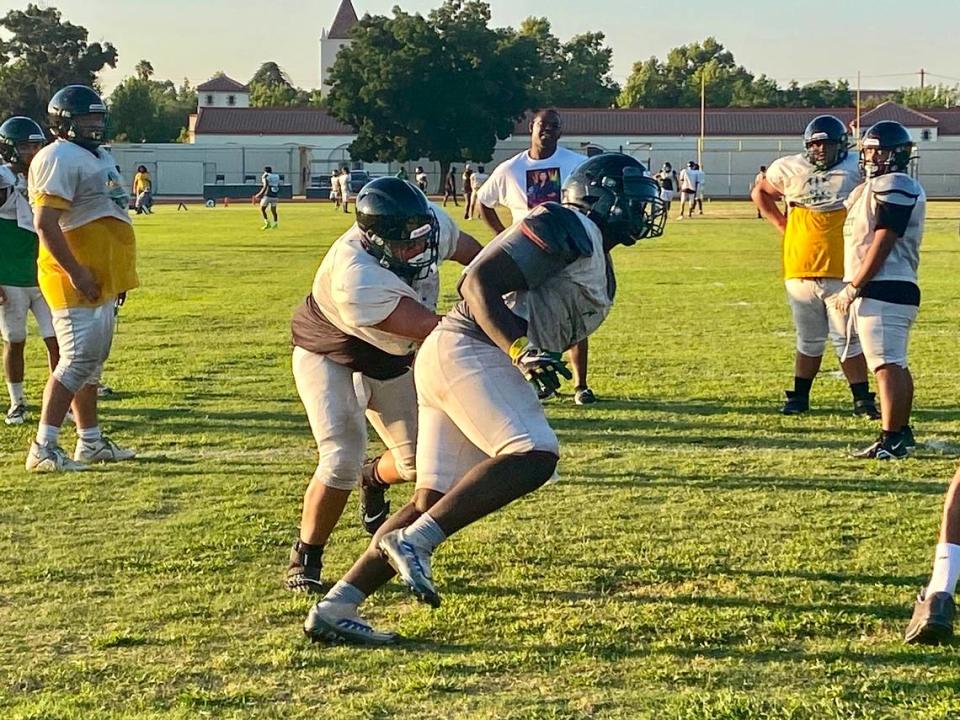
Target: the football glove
pixel 844 299
pixel 541 369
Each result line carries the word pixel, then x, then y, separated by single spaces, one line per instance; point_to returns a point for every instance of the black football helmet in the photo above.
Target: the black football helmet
pixel 70 103
pixel 832 132
pixel 20 139
pixel 393 215
pixel 614 191
pixel 892 148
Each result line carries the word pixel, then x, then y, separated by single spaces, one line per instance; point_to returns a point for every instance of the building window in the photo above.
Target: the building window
pixel 925 134
pixel 231 99
pixel 209 99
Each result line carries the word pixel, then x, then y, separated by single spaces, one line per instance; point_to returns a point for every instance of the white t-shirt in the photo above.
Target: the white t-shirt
pixel 272 181
pixel 90 183
pixel 522 183
pixel 800 183
pixel 16 206
pixel 700 178
pixel 688 179
pixel 355 292
pixel 344 181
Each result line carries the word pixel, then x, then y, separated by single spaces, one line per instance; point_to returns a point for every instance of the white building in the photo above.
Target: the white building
pixel 221 91
pixel 334 39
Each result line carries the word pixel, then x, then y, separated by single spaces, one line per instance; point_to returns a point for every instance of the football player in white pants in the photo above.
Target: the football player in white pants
pixel 20 140
pixel 87 259
pixel 815 185
pixel 269 197
pixel 882 236
pixel 484 441
pixel 373 301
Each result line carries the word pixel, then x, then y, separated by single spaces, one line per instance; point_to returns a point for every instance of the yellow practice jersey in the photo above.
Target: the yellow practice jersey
pixel 813 244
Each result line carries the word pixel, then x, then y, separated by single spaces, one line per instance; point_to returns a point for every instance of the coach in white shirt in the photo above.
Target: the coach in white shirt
pixel 525 181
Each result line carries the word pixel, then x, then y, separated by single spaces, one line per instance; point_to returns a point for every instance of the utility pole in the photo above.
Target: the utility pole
pixel 923 75
pixel 703 115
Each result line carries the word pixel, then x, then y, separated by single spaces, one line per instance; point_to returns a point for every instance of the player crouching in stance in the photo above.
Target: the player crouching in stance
pixel 484 441
pixel 882 236
pixel 20 140
pixel 815 185
pixel 373 300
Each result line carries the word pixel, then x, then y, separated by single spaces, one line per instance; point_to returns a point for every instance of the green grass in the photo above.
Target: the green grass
pixel 702 557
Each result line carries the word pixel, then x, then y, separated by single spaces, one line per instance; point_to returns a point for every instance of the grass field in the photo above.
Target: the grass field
pixel 702 556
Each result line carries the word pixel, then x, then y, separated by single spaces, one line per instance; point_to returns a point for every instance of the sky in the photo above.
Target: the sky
pixel 195 38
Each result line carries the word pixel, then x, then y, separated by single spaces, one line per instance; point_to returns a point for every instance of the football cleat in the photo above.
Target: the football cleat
pixel 104 390
pixel 883 449
pixel 16 415
pixel 50 458
pixel 103 450
pixel 303 572
pixel 412 563
pixel 866 405
pixel 266 225
pixel 584 396
pixel 932 621
pixel 340 622
pixel 795 403
pixel 374 507
pixel 909 441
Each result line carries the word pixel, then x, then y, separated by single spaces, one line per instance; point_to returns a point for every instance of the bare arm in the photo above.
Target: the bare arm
pixel 409 319
pixel 263 190
pixel 483 287
pixel 48 228
pixel 491 218
pixel 467 249
pixel 765 196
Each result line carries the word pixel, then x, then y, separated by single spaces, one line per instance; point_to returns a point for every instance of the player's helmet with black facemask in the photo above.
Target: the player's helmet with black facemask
pixel 68 105
pixel 830 131
pixel 614 191
pixel 20 139
pixel 892 148
pixel 395 217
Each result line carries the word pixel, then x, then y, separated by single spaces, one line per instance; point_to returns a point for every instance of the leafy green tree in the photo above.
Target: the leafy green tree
pixel 929 96
pixel 443 87
pixel 145 110
pixel 41 54
pixel 271 87
pixel 144 70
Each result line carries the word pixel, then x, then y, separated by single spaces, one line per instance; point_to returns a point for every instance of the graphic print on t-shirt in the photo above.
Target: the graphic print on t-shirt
pixel 543 185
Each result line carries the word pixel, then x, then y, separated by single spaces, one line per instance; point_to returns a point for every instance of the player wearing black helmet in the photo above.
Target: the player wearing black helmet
pixel 484 441
pixel 373 301
pixel 815 184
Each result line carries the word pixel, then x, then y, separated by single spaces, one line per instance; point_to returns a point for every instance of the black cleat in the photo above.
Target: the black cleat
pixel 909 441
pixel 884 448
pixel 303 573
pixel 866 405
pixel 374 507
pixel 795 404
pixel 932 621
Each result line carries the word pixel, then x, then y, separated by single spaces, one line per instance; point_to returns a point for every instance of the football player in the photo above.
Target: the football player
pixel 20 140
pixel 373 301
pixel 815 184
pixel 688 188
pixel 484 441
pixel 269 196
pixel 882 235
pixel 87 259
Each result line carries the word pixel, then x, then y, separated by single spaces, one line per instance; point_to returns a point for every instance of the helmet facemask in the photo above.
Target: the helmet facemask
pixel 391 240
pixel 634 210
pixel 78 129
pixel 824 153
pixel 883 160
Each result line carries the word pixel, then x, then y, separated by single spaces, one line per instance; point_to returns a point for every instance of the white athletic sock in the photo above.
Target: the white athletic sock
pixel 89 435
pixel 16 393
pixel 424 532
pixel 946 569
pixel 345 594
pixel 47 434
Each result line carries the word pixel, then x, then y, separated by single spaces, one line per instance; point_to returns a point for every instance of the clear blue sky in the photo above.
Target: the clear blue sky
pixel 194 38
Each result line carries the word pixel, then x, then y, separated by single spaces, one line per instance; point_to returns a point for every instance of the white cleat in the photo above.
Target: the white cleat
pixel 50 458
pixel 412 563
pixel 103 450
pixel 335 622
pixel 16 415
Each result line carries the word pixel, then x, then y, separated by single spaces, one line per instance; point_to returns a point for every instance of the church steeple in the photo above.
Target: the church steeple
pixel 336 38
pixel 345 19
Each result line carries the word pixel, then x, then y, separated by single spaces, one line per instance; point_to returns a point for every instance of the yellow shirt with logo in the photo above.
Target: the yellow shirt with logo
pixel 95 222
pixel 813 240
pixel 141 182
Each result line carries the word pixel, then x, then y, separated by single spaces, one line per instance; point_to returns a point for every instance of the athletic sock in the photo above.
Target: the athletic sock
pixel 47 434
pixel 801 386
pixel 88 436
pixel 425 533
pixel 371 474
pixel 892 437
pixel 345 594
pixel 946 569
pixel 16 393
pixel 860 391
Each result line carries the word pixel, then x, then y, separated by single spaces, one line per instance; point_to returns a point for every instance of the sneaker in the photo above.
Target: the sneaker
pixel 339 622
pixel 275 225
pixel 795 403
pixel 543 393
pixel 303 572
pixel 909 441
pixel 882 449
pixel 50 458
pixel 103 450
pixel 16 415
pixel 584 396
pixel 932 621
pixel 866 405
pixel 104 390
pixel 374 507
pixel 266 225
pixel 412 563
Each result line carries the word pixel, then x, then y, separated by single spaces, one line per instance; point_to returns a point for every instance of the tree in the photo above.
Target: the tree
pixel 145 110
pixel 271 87
pixel 929 96
pixel 41 55
pixel 443 87
pixel 144 70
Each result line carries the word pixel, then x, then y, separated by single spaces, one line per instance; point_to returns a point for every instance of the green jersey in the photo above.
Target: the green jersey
pixel 18 245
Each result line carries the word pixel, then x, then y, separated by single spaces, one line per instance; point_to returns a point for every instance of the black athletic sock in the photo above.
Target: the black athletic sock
pixel 892 437
pixel 860 391
pixel 371 474
pixel 801 386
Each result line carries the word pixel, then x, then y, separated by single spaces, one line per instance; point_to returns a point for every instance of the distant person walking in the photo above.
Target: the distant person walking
pixel 335 188
pixel 450 187
pixel 467 190
pixel 421 178
pixel 345 189
pixel 269 197
pixel 143 191
pixel 476 182
pixel 757 181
